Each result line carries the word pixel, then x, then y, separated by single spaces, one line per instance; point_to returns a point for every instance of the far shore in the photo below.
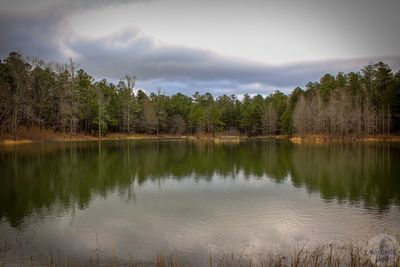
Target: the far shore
pixel 321 139
pixel 27 136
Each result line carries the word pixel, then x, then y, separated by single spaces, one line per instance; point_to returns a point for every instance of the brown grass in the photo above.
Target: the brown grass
pixel 29 135
pixel 32 135
pixel 323 139
pixel 327 255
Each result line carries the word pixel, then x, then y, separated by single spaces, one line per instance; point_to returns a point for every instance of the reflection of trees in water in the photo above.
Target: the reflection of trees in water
pixel 38 176
pixel 353 172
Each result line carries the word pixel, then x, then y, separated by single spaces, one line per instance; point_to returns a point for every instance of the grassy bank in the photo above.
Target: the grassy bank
pixel 33 135
pixel 321 139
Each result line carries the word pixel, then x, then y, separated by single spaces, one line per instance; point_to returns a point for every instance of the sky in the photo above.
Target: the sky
pixel 217 46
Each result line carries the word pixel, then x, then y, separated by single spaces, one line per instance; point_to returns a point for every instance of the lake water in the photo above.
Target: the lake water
pixel 136 199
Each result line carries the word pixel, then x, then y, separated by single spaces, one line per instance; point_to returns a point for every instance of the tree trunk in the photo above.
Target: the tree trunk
pixel 99 119
pixel 14 123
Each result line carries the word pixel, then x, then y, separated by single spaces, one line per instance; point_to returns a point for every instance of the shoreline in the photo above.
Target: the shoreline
pixel 28 136
pixel 321 139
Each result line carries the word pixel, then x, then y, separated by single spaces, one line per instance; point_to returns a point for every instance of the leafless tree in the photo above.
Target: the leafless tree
pixel 129 81
pixel 269 120
pixel 178 124
pixel 150 117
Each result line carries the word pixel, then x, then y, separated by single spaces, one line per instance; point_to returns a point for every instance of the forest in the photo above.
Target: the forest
pixel 66 99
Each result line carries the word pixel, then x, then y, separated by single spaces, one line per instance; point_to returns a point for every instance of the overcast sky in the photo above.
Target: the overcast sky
pixel 219 46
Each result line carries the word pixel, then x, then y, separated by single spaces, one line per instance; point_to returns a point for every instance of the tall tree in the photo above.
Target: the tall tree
pixel 270 120
pixel 18 84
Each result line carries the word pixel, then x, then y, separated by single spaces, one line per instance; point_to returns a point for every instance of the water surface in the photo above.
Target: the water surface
pixel 135 199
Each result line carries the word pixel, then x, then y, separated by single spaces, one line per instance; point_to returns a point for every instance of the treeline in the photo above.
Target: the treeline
pixel 68 100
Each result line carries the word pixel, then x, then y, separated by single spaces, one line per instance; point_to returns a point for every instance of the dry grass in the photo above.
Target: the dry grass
pixel 34 134
pixel 31 135
pixel 323 139
pixel 8 142
pixel 328 255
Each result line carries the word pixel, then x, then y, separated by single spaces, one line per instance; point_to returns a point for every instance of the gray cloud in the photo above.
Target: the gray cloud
pixel 40 27
pixel 130 51
pixel 64 5
pixel 34 33
pixel 45 33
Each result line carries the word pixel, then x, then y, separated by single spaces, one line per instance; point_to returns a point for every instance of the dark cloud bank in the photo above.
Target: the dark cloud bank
pixel 45 33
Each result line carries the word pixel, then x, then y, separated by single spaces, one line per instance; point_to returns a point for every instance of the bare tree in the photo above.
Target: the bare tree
pixel 18 72
pixel 150 117
pixel 269 120
pixel 72 96
pixel 300 116
pixel 130 81
pixel 99 108
pixel 178 124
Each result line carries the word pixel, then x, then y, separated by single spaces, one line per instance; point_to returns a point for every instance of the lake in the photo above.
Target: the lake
pixel 136 199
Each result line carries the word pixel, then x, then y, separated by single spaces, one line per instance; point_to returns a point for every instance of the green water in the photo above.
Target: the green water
pixel 135 199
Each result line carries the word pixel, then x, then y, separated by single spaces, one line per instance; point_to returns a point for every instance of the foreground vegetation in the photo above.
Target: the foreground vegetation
pixel 69 101
pixel 325 255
